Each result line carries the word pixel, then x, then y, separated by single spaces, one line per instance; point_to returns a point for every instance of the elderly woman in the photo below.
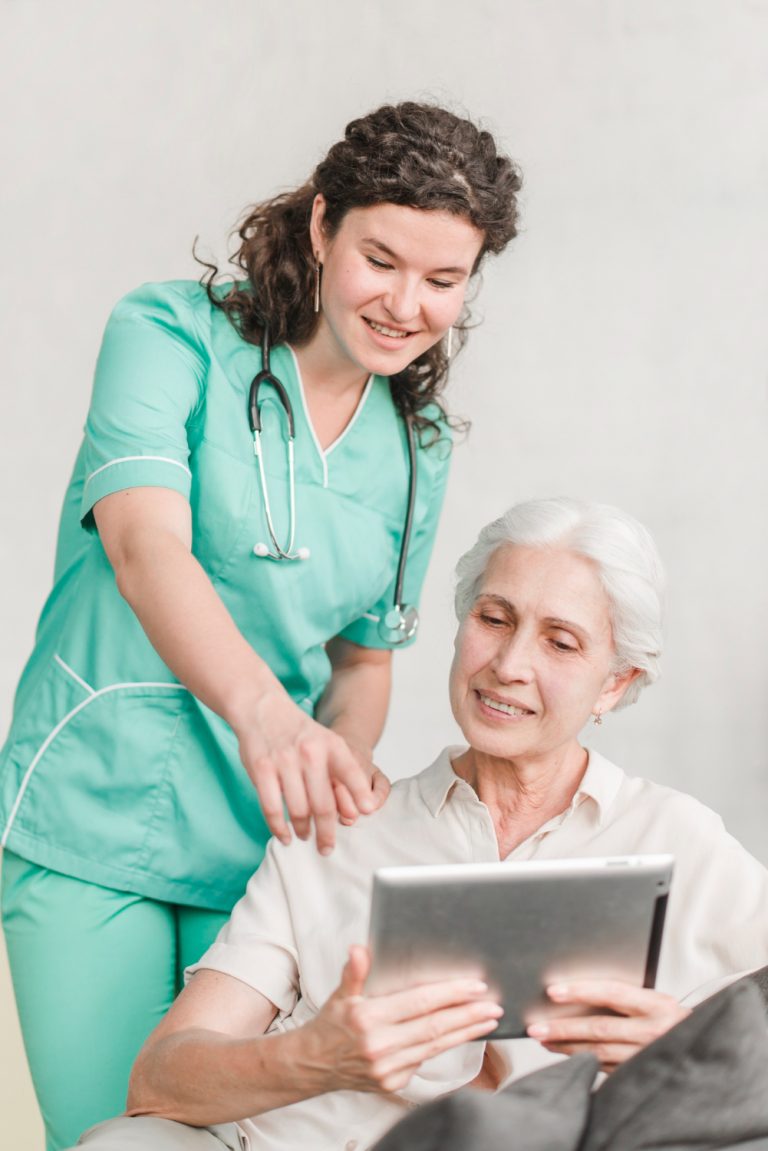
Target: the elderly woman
pixel 559 608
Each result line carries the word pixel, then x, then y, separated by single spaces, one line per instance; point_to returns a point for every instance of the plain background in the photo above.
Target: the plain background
pixel 622 354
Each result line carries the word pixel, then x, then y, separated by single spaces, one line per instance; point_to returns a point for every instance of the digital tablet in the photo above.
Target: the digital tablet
pixel 520 927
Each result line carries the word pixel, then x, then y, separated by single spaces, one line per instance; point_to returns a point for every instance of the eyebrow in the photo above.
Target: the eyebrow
pixel 454 271
pixel 551 621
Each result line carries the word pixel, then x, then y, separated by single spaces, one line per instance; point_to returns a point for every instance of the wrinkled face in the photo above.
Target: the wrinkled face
pixel 393 282
pixel 534 657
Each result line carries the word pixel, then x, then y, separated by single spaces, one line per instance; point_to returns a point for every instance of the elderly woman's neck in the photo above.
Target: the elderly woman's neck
pixel 522 795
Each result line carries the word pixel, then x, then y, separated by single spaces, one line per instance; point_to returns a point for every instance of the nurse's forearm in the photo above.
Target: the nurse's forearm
pixel 147 538
pixel 356 700
pixel 294 762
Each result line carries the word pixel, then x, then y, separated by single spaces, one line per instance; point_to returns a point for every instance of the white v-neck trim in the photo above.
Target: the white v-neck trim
pixel 324 453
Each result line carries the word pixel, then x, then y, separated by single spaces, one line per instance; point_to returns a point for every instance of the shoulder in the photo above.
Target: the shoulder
pixel 669 811
pixel 374 840
pixel 436 440
pixel 181 307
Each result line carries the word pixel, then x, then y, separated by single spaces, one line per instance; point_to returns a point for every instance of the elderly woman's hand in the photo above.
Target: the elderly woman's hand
pixel 376 1043
pixel 642 1015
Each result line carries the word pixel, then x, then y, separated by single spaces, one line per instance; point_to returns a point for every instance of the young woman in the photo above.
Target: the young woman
pixel 250 517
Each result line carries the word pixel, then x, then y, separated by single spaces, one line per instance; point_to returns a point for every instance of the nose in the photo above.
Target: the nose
pixel 402 300
pixel 513 661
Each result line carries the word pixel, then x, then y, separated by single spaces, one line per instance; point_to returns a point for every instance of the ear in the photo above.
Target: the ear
pixel 317 228
pixel 613 689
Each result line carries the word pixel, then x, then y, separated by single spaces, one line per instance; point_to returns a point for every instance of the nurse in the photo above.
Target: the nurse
pixel 213 662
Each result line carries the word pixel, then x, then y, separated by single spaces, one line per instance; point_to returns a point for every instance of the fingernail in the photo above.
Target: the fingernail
pixel 537 1030
pixel 490 1024
pixel 497 1010
pixel 476 985
pixel 558 991
pixel 325 850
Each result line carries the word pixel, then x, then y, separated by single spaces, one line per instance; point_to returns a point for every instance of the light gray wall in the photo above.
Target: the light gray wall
pixel 623 350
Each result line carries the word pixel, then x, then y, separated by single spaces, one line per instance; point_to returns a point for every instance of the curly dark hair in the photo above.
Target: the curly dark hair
pixel 418 155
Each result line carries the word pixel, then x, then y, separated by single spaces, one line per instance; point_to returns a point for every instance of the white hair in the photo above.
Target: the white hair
pixel 624 555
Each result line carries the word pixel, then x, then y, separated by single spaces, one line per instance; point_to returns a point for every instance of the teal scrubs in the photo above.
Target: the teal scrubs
pixel 129 824
pixel 113 772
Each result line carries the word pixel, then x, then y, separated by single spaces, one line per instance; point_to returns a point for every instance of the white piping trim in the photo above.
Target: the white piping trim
pixel 133 459
pixel 75 676
pixel 358 409
pixel 369 615
pixel 62 724
pixel 355 414
pixel 310 425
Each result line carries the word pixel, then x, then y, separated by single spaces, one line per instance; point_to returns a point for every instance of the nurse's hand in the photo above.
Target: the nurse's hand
pixel 360 1042
pixel 642 1015
pixel 300 766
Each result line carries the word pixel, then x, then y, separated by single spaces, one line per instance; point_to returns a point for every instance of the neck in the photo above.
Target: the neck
pixel 523 794
pixel 324 369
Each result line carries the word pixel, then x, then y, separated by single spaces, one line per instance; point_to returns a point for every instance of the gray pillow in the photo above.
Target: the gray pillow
pixel 760 980
pixel 545 1111
pixel 703 1085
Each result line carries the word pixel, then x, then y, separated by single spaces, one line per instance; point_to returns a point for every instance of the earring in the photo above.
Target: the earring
pixel 318 273
pixel 449 346
pixel 597 719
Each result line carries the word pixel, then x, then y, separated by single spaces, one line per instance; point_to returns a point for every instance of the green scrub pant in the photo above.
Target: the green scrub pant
pixel 94 970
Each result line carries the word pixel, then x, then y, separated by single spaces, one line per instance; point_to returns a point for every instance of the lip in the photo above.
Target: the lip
pixel 388 341
pixel 507 700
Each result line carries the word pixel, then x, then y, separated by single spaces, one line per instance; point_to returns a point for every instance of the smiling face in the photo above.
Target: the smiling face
pixel 534 656
pixel 393 282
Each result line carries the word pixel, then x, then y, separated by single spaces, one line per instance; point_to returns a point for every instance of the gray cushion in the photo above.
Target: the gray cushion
pixel 760 980
pixel 545 1111
pixel 703 1085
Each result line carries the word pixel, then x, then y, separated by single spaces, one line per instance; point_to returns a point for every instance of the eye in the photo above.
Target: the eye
pixel 492 620
pixel 379 265
pixel 561 645
pixel 442 285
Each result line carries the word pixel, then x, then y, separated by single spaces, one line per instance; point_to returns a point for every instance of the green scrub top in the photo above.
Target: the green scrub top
pixel 113 772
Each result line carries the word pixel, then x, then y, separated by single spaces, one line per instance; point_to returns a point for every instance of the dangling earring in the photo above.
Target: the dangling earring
pixel 318 273
pixel 597 719
pixel 449 346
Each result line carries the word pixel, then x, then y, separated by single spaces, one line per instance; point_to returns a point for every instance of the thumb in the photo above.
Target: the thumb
pixel 381 787
pixel 355 971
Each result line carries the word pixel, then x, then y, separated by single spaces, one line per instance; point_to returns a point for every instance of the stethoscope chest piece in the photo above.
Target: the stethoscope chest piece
pixel 399 624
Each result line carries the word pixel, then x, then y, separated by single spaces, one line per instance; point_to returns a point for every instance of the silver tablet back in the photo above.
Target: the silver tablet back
pixel 519 926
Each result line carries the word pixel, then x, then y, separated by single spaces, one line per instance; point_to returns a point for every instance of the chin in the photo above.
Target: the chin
pixel 501 745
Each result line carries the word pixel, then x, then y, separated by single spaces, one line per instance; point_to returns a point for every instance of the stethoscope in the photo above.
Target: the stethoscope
pixel 401 621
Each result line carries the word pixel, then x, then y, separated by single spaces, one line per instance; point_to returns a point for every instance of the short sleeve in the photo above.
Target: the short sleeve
pixel 433 463
pixel 148 384
pixel 258 945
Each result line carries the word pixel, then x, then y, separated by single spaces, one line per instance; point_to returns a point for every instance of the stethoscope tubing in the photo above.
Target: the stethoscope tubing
pixel 406 618
pixel 409 512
